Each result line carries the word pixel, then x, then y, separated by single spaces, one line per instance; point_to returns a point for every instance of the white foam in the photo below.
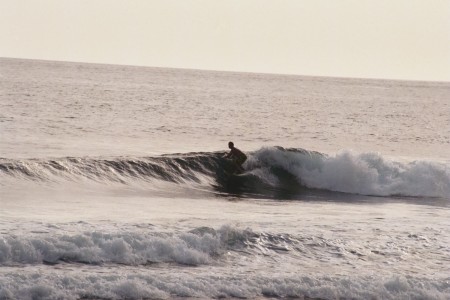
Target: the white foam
pixel 200 246
pixel 113 262
pixel 151 284
pixel 123 248
pixel 360 173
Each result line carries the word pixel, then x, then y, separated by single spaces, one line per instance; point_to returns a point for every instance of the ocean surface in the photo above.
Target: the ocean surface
pixel 113 185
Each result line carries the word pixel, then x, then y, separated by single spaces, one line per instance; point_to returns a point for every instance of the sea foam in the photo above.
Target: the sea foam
pixel 200 246
pixel 357 173
pixel 121 248
pixel 147 284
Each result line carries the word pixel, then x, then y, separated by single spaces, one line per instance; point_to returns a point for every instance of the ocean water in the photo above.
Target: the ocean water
pixel 113 185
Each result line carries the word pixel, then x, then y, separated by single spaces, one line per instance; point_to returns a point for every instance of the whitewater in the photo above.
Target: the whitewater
pixel 113 185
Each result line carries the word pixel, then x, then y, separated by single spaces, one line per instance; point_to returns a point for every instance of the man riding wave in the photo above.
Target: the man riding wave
pixel 237 156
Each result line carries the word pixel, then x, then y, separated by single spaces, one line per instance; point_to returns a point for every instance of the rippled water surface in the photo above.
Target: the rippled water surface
pixel 113 185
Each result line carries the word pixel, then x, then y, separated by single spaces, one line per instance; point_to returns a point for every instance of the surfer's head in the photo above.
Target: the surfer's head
pixel 230 145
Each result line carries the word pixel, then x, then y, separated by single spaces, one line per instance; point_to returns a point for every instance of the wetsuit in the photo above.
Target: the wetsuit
pixel 238 156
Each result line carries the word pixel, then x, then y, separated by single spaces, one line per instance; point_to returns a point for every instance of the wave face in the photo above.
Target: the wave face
pixel 177 169
pixel 273 171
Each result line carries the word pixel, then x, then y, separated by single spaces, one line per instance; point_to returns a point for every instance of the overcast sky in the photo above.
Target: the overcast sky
pixel 397 39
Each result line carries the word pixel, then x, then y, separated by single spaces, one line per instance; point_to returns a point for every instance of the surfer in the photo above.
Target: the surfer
pixel 237 156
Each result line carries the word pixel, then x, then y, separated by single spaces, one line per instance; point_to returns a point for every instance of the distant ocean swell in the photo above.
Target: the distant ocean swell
pixel 271 168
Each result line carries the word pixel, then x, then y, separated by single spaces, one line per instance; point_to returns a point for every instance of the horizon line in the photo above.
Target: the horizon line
pixel 228 71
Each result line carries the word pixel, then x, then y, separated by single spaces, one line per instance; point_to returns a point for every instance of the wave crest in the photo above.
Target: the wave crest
pixel 271 172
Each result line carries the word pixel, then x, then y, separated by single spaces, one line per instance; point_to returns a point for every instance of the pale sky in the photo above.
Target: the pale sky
pixel 395 39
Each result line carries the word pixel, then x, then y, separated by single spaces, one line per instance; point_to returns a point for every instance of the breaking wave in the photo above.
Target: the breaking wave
pixel 200 246
pixel 197 247
pixel 268 170
pixel 135 253
pixel 357 173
